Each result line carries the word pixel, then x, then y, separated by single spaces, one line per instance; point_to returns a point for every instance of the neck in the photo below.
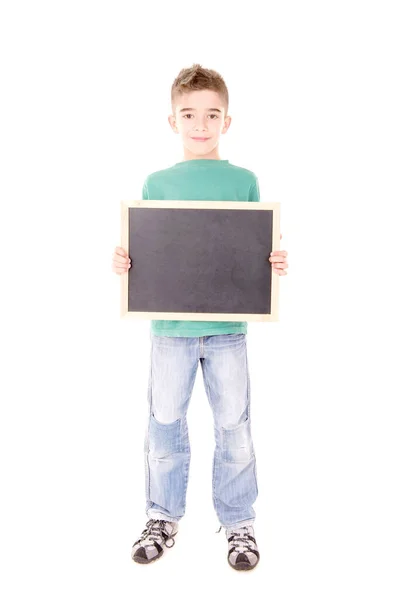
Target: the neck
pixel 214 154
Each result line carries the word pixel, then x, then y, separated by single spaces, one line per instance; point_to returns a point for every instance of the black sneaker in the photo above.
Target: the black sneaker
pixel 153 540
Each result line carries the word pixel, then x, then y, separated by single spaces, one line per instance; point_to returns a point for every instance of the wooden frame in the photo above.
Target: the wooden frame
pixel 274 206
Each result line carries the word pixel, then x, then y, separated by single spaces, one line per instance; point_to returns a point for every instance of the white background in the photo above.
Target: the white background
pixel 314 100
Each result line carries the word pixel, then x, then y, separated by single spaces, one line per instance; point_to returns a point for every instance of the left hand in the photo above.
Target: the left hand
pixel 278 261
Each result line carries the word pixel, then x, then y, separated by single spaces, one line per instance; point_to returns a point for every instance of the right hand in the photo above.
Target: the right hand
pixel 121 262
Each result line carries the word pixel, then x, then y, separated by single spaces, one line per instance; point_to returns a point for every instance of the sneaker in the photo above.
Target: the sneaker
pixel 243 553
pixel 153 540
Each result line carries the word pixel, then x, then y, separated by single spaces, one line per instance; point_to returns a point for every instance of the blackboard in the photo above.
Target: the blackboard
pixel 200 260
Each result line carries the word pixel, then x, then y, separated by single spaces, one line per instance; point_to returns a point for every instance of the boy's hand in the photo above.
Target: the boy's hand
pixel 278 261
pixel 121 262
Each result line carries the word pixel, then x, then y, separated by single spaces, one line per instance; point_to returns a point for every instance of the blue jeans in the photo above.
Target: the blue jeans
pixel 173 369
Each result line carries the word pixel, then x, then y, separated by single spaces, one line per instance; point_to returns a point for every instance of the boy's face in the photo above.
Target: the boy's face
pixel 206 119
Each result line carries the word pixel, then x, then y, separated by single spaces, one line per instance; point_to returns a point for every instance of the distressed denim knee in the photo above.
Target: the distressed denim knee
pixel 237 444
pixel 164 439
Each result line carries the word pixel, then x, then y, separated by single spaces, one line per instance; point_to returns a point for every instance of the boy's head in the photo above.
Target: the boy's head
pixel 204 92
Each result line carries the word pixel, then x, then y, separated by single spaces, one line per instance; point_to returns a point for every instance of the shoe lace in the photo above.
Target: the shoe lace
pixel 240 537
pixel 154 531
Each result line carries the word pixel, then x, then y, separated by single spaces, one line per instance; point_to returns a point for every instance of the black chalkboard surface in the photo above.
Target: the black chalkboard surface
pixel 200 260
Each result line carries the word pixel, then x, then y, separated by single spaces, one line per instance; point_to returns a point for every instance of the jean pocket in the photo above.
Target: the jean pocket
pixel 237 444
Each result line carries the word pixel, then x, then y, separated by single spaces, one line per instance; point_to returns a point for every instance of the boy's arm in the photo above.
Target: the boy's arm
pixel 254 192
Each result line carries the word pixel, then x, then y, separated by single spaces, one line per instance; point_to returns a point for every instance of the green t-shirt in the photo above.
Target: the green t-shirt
pixel 201 179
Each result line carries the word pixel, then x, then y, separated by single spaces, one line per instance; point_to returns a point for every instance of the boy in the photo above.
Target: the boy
pixel 199 100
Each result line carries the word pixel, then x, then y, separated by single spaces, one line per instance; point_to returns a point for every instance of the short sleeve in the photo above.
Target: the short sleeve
pixel 254 192
pixel 145 191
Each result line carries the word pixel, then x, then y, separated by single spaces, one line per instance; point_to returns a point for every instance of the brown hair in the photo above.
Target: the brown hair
pixel 198 78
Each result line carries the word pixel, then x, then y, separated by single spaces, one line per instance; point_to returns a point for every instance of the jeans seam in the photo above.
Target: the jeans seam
pixel 216 449
pixel 149 392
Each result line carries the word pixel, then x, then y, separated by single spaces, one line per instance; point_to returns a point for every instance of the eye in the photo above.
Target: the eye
pixel 190 115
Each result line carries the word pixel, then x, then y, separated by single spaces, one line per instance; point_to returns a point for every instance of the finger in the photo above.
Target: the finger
pixel 278 262
pixel 120 251
pixel 120 260
pixel 120 266
pixel 277 259
pixel 279 253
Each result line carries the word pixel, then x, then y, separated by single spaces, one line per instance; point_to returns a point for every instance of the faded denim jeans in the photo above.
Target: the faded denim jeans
pixel 173 368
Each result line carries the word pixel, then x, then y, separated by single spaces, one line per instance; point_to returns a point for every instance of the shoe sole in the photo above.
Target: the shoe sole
pixel 242 566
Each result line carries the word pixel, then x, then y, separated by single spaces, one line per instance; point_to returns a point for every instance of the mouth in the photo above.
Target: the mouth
pixel 200 139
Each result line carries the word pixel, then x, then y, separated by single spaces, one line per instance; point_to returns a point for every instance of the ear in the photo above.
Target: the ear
pixel 172 122
pixel 227 122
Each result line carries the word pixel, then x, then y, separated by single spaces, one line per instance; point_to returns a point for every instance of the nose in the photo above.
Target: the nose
pixel 200 124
